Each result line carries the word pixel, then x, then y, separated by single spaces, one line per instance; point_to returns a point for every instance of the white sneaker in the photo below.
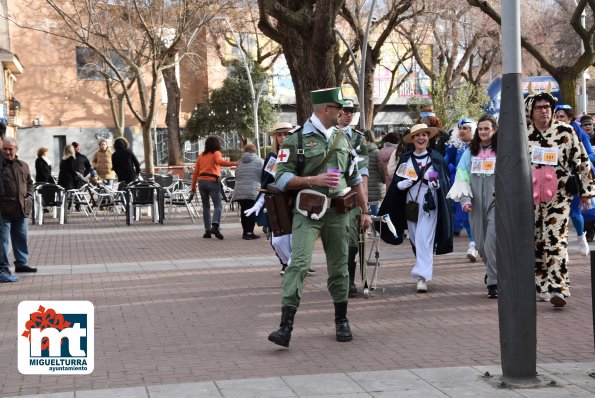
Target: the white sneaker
pixel 558 300
pixel 422 286
pixel 583 246
pixel 544 297
pixel 472 253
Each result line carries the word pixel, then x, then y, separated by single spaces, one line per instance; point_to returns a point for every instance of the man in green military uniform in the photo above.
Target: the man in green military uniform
pixel 324 172
pixel 360 152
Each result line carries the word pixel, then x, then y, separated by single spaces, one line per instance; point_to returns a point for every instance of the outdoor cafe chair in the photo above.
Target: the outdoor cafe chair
pixel 48 196
pixel 182 198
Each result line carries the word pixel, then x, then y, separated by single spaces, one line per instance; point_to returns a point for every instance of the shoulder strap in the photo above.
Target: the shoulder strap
pixel 358 140
pixel 420 173
pixel 330 151
pixel 301 158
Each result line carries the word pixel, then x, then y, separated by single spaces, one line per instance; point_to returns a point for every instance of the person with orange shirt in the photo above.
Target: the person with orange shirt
pixel 207 173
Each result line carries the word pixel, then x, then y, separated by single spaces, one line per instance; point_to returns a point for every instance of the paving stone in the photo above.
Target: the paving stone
pixel 259 387
pixel 208 318
pixel 185 390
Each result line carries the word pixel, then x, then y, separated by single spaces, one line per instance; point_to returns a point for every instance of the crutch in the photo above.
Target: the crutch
pixel 362 262
pixel 374 250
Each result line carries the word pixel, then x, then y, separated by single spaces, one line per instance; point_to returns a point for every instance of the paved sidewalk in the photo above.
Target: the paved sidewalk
pixel 555 380
pixel 188 317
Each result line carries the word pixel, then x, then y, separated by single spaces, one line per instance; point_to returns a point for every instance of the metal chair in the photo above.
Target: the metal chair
pixel 179 198
pixel 77 198
pixel 107 200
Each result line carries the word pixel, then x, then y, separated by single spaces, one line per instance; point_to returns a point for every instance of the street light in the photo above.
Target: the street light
pixel 583 103
pixel 255 98
pixel 361 77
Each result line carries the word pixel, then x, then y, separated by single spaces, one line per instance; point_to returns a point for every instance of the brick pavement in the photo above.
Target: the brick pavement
pixel 182 309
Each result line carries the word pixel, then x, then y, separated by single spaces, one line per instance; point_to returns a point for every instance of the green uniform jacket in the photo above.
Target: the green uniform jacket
pixel 316 147
pixel 358 143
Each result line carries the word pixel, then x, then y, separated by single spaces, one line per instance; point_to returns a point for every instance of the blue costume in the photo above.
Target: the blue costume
pixel 578 218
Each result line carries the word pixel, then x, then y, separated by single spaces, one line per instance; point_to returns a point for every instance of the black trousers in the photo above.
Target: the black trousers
pixel 248 222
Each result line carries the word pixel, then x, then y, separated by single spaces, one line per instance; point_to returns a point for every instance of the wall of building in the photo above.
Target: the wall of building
pixel 54 101
pixel 30 139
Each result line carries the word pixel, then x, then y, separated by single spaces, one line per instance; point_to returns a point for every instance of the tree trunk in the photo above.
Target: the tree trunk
pixel 309 45
pixel 121 116
pixel 148 147
pixel 369 93
pixel 567 80
pixel 172 119
pixel 311 68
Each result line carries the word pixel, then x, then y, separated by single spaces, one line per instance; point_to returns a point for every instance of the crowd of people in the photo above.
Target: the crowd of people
pixel 430 183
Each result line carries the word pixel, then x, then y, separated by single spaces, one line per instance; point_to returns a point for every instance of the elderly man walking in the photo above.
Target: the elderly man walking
pixel 15 208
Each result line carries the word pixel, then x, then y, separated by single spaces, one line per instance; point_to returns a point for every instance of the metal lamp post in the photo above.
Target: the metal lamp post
pixel 252 91
pixel 583 95
pixel 515 249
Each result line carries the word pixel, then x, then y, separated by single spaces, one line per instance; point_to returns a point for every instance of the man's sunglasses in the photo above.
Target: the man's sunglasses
pixel 587 124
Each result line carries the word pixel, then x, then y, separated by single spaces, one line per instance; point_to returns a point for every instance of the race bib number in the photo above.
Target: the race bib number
pixel 271 166
pixel 407 171
pixel 547 156
pixel 483 166
pixel 283 155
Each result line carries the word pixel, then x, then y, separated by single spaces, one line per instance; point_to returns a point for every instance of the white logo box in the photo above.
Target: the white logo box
pixel 42 325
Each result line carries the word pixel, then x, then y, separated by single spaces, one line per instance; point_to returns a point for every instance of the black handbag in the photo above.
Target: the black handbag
pixel 412 211
pixel 429 203
pixel 412 207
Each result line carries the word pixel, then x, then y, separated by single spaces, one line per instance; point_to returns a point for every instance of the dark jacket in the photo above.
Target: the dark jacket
pixel 267 178
pixel 394 205
pixel 43 171
pixel 124 163
pixel 67 176
pixel 1 168
pixel 376 188
pixel 17 200
pixel 83 165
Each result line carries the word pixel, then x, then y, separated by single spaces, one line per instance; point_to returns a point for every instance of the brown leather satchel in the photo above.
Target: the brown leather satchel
pixel 346 203
pixel 279 207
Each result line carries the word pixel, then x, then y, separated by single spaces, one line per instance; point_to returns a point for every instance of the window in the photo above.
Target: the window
pixel 90 66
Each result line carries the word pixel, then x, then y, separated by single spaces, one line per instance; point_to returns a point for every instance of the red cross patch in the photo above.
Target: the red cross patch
pixel 283 155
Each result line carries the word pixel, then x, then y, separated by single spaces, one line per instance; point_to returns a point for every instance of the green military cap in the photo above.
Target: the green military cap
pixel 350 105
pixel 326 95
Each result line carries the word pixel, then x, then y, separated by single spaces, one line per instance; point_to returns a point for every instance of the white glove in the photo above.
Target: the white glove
pixel 390 225
pixel 404 184
pixel 434 185
pixel 256 208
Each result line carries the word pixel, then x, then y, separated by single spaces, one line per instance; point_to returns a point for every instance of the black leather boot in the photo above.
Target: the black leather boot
pixel 343 332
pixel 283 335
pixel 351 267
pixel 215 231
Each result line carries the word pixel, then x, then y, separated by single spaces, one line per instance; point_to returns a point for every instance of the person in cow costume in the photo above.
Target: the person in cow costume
pixel 560 169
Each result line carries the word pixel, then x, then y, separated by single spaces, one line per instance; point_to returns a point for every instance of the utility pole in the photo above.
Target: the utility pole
pixel 515 253
pixel 252 91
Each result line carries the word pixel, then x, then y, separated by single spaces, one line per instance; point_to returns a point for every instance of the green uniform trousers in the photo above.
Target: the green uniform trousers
pixel 354 227
pixel 332 229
